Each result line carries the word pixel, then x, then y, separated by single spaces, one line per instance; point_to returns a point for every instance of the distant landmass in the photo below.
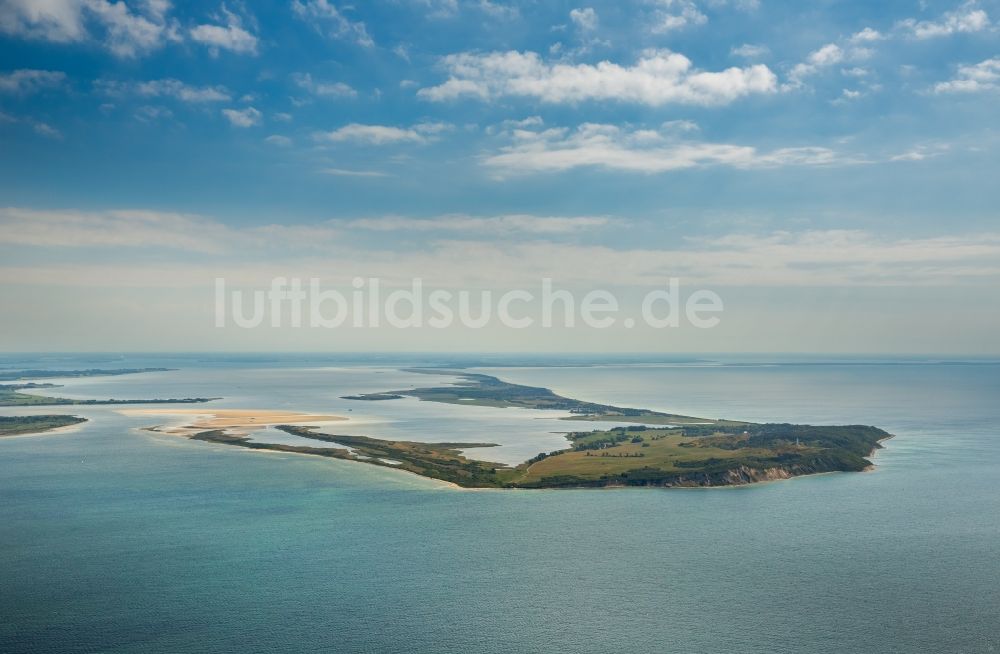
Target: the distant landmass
pixel 14 375
pixel 10 394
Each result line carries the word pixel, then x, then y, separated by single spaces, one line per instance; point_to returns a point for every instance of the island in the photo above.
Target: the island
pixel 20 425
pixel 662 450
pixel 10 394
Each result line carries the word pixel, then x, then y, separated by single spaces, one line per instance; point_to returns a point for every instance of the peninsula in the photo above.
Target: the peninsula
pixel 20 425
pixel 664 450
pixel 14 375
pixel 11 395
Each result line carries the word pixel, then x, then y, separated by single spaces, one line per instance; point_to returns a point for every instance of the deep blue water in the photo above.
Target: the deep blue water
pixel 112 540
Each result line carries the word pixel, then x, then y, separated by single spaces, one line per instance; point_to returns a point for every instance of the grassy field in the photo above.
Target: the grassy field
pixel 702 456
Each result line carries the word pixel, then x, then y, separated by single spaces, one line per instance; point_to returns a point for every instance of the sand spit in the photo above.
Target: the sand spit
pixel 234 421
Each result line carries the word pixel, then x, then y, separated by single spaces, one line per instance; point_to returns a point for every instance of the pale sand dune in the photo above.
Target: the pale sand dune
pixel 234 420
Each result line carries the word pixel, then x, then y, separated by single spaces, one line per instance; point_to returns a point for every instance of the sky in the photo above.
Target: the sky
pixel 828 169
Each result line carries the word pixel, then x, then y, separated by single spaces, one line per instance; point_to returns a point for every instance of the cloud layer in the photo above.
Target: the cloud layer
pixel 659 77
pixel 639 150
pixel 491 251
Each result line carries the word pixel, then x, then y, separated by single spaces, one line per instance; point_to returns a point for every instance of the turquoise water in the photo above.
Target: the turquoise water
pixel 115 540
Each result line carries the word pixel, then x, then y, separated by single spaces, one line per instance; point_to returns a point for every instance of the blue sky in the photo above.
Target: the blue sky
pixel 841 155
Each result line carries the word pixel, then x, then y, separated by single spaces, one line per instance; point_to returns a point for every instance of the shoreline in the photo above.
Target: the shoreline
pixel 875 452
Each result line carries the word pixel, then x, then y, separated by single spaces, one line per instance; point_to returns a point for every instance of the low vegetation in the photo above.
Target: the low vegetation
pixel 14 425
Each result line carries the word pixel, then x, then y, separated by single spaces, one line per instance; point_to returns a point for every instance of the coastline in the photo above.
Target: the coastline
pixel 875 452
pixel 65 429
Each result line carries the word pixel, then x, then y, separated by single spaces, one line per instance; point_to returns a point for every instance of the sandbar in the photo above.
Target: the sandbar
pixel 233 420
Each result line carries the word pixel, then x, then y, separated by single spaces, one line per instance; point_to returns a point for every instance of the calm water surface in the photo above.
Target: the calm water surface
pixel 117 540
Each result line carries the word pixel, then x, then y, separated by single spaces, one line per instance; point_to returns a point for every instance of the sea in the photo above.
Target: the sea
pixel 114 538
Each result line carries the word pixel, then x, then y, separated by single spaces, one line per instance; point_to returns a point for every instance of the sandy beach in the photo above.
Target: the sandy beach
pixel 232 420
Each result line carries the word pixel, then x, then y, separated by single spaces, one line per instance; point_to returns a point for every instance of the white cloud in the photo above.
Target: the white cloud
pixel 166 88
pixel 242 117
pixel 279 140
pixel 231 36
pixel 345 172
pixel 325 89
pixel 127 32
pixel 329 21
pixel 750 51
pixel 824 57
pixel 659 77
pixel 39 127
pixel 149 113
pixel 741 5
pixel 679 126
pixel 675 15
pixel 913 155
pixel 382 134
pixel 511 223
pixel 972 78
pixel 402 51
pixel 584 18
pixel 59 21
pixel 26 81
pixel 530 121
pixel 850 50
pixel 867 35
pixel 965 19
pixel 439 8
pixel 498 10
pixel 46 130
pixel 642 151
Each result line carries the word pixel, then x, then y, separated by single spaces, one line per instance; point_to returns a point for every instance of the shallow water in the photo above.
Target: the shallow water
pixel 119 540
